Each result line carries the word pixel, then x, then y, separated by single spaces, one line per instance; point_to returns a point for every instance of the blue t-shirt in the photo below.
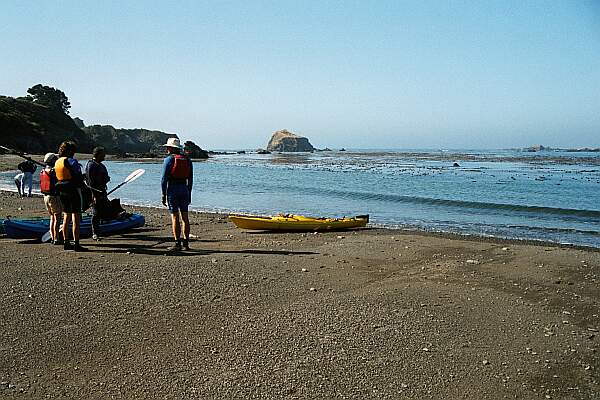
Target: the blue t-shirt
pixel 75 169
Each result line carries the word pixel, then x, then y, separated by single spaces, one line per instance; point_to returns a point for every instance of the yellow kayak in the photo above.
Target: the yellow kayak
pixel 290 222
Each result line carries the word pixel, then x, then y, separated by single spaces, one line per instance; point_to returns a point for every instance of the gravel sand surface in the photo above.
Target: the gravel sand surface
pixel 357 314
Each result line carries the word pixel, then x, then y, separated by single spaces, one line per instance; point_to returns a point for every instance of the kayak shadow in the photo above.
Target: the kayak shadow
pixel 265 252
pixel 29 241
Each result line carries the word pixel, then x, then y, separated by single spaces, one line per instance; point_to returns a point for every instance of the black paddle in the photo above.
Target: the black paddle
pixel 22 155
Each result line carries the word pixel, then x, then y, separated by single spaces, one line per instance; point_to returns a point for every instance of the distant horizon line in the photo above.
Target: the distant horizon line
pixel 546 148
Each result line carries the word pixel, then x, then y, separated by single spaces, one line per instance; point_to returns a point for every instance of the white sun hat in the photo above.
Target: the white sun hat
pixel 173 142
pixel 50 156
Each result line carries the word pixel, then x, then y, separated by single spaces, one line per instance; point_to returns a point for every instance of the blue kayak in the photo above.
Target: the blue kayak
pixel 36 228
pixel 30 219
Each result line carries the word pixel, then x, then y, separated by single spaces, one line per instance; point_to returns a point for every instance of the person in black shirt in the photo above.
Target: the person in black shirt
pixel 27 168
pixel 97 178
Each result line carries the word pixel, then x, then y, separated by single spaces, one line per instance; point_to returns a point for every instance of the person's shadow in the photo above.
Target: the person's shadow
pixel 156 247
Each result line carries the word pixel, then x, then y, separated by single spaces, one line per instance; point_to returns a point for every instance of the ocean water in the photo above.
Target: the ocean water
pixel 548 196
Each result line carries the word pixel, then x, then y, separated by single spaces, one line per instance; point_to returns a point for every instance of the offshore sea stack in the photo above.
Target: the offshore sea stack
pixel 286 141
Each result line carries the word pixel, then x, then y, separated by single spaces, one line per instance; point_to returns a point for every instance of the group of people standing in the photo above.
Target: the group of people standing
pixel 69 189
pixel 66 191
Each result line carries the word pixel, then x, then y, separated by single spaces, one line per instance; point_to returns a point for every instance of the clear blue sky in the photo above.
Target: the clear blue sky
pixel 366 74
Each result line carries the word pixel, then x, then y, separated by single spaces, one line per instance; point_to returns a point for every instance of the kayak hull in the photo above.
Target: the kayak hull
pixel 35 229
pixel 297 223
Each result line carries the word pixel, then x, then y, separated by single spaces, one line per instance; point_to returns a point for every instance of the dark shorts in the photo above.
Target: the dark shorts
pixel 71 199
pixel 99 206
pixel 178 198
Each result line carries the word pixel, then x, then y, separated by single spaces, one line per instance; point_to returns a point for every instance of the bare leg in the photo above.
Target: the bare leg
pixel 76 225
pixel 53 227
pixel 57 227
pixel 176 226
pixel 186 225
pixel 65 226
pixel 186 230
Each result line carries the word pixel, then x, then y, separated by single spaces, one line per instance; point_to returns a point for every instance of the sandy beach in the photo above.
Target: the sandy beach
pixel 357 314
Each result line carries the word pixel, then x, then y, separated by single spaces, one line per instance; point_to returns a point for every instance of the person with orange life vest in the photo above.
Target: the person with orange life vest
pixel 176 184
pixel 52 202
pixel 70 184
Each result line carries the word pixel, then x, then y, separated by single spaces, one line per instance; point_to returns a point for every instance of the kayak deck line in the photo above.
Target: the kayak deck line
pixel 291 222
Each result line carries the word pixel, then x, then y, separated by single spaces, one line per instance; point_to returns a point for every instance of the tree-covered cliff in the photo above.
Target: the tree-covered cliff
pixel 39 122
pixel 35 127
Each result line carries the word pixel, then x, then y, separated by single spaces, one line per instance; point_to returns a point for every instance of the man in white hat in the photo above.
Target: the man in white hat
pixel 176 184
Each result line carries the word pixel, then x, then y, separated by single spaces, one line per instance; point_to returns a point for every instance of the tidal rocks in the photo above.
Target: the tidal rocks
pixel 286 141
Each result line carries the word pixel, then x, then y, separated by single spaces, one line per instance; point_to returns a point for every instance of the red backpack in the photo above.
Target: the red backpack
pixel 47 182
pixel 181 167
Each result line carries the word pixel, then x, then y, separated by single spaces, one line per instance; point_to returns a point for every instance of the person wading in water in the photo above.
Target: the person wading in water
pixel 176 183
pixel 70 183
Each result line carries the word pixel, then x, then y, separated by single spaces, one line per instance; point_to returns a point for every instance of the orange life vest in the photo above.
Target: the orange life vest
pixel 62 170
pixel 181 167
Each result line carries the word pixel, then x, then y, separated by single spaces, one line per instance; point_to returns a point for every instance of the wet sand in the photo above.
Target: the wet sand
pixel 358 314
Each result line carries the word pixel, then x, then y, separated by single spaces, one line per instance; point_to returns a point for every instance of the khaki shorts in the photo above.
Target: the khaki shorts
pixel 53 204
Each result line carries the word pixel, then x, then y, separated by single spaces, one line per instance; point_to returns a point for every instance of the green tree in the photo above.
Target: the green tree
pixel 50 97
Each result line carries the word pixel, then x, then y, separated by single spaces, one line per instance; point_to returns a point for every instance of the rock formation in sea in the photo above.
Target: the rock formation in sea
pixel 536 148
pixel 286 141
pixel 194 151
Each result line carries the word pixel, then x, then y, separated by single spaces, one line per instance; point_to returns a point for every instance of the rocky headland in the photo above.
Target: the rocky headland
pixel 39 122
pixel 118 140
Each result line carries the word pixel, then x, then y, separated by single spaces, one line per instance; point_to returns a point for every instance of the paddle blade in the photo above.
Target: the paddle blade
pixel 134 175
pixel 130 178
pixel 47 237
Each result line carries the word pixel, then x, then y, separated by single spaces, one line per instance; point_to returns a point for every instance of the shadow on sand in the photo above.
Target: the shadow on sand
pixel 153 249
pixel 152 245
pixel 156 251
